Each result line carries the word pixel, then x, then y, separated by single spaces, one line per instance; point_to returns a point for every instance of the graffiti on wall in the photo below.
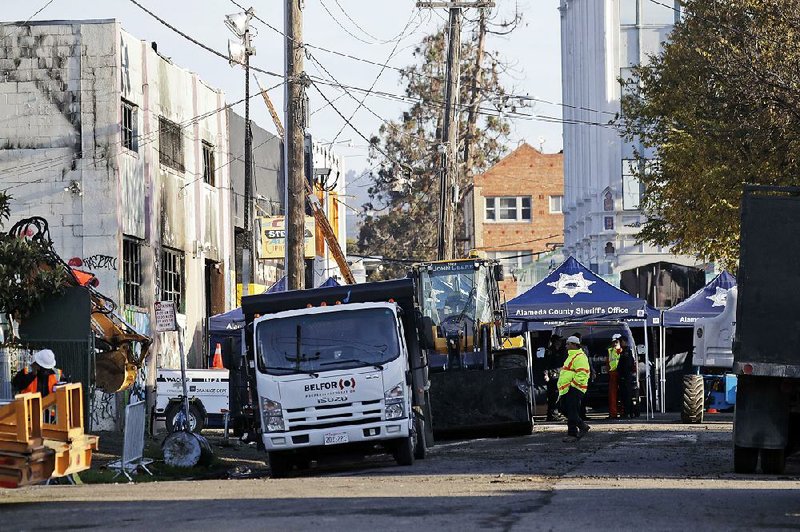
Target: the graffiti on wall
pixel 94 262
pixel 141 322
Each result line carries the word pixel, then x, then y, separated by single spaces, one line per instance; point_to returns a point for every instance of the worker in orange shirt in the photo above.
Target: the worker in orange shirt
pixel 41 377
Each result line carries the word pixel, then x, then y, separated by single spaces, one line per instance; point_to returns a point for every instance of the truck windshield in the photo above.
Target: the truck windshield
pixel 311 343
pixel 449 291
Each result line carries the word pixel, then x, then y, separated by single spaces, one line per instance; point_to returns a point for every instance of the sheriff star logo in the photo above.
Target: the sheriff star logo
pixel 571 285
pixel 720 298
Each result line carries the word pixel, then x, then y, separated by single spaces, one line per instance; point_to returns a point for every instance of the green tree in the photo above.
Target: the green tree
pixel 717 108
pixel 400 220
pixel 28 273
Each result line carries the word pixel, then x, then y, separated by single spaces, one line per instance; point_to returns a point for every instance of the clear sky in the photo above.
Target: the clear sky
pixel 533 49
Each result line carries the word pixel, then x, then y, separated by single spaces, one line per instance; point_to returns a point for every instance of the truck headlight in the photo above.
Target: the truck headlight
pixel 272 415
pixel 394 401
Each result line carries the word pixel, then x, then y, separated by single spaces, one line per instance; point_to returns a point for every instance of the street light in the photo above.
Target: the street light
pixel 239 52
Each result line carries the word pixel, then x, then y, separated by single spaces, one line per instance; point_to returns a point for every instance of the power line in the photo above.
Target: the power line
pixel 19 27
pixel 200 44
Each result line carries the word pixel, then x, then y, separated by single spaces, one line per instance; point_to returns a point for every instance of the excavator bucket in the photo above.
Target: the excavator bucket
pixel 480 400
pixel 113 372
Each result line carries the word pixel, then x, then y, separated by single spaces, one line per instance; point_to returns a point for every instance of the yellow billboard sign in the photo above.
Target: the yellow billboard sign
pixel 272 237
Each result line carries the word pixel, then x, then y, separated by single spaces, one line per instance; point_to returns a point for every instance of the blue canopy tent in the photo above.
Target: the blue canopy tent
pixel 705 303
pixel 571 293
pixel 229 324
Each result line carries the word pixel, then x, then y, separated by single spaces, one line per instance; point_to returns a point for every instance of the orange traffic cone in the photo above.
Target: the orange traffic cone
pixel 217 362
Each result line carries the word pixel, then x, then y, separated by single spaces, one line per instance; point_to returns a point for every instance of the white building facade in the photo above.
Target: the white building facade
pixel 600 41
pixel 125 154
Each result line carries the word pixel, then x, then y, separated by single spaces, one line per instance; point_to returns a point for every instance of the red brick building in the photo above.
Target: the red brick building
pixel 516 209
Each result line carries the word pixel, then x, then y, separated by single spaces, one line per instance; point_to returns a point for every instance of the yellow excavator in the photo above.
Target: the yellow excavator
pixel 120 349
pixel 480 379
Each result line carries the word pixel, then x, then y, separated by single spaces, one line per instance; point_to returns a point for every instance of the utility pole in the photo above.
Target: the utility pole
pixel 448 161
pixel 295 103
pixel 239 53
pixel 448 147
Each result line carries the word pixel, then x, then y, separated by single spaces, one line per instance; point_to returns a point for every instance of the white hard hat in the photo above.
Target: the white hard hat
pixel 616 337
pixel 45 359
pixel 574 340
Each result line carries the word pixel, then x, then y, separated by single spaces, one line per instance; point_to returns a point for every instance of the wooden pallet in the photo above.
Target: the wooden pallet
pixel 44 438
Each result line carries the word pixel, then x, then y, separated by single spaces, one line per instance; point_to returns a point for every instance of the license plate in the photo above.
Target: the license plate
pixel 336 438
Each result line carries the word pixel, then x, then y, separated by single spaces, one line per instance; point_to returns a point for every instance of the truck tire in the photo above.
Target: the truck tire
pixel 510 360
pixel 404 451
pixel 773 461
pixel 745 459
pixel 279 464
pixel 693 399
pixel 197 421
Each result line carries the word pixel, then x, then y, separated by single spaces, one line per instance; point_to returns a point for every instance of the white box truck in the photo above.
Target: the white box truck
pixel 336 368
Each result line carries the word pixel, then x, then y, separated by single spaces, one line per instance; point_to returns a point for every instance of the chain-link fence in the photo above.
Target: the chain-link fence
pixel 74 357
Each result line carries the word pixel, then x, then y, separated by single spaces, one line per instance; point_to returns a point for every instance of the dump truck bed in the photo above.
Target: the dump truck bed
pixel 768 306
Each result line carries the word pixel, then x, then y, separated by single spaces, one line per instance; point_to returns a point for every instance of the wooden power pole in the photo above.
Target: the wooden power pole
pixel 448 161
pixel 295 103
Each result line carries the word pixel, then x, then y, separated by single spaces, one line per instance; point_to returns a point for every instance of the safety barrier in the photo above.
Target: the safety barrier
pixel 133 449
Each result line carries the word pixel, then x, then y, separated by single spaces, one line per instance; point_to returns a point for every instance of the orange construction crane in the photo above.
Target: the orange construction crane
pixel 319 213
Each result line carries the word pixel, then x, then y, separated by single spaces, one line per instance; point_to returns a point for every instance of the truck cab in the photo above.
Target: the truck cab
pixel 330 374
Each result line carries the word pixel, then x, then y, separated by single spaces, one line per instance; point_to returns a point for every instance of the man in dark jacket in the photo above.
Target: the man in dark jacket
pixel 554 357
pixel 627 370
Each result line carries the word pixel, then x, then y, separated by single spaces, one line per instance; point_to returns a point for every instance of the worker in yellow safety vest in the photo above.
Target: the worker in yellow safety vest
pixel 613 377
pixel 572 384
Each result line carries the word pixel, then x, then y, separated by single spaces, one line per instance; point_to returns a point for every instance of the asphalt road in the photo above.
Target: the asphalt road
pixel 654 476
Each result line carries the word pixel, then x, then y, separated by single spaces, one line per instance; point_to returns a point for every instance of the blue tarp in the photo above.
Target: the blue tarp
pixel 572 292
pixel 706 302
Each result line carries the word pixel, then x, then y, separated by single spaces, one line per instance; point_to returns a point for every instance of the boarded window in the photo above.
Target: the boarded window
pixel 170 144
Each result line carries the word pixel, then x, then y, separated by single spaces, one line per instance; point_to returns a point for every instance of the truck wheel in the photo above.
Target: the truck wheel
pixel 744 459
pixel 197 421
pixel 279 464
pixel 419 433
pixel 693 404
pixel 773 461
pixel 404 452
pixel 510 361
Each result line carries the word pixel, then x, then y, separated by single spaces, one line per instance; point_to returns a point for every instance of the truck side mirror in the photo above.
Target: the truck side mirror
pixel 498 272
pixel 641 349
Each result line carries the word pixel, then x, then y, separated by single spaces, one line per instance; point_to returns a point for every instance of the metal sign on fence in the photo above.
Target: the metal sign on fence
pixel 165 316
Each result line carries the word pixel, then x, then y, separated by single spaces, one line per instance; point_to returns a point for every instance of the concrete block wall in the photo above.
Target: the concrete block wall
pixel 524 172
pixel 61 87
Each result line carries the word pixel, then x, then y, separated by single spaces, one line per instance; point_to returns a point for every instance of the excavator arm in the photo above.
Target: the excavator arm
pixel 120 349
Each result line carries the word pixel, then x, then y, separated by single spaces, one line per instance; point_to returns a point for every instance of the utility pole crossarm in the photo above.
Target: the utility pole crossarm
pixel 458 4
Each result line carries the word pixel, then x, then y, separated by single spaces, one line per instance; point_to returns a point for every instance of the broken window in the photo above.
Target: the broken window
pixel 170 144
pixel 208 164
pixel 172 281
pixel 132 270
pixel 129 126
